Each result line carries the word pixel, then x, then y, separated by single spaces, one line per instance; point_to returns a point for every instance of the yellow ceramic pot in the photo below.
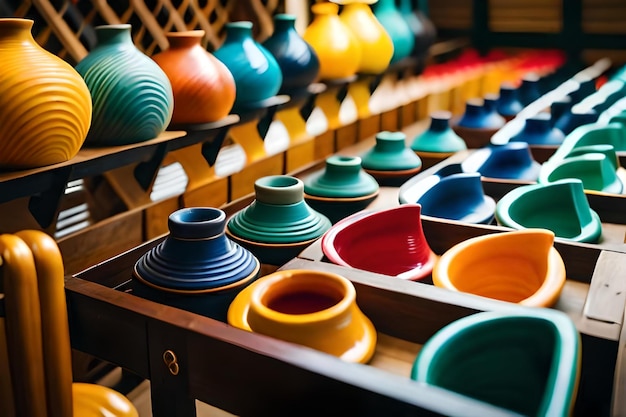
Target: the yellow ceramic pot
pixel 312 308
pixel 520 266
pixel 45 105
pixel 375 42
pixel 337 49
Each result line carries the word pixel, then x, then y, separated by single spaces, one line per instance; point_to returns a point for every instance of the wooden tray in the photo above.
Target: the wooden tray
pixel 251 374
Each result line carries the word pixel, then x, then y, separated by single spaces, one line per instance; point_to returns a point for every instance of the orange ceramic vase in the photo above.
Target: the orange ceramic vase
pixel 203 87
pixel 334 43
pixel 375 42
pixel 45 105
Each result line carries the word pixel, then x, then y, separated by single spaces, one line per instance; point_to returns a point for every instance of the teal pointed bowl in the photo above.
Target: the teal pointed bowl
pixel 279 223
pixel 560 206
pixel 527 361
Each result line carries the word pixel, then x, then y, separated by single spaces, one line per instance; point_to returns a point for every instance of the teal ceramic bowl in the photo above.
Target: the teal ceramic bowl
pixel 527 361
pixel 560 206
pixel 596 170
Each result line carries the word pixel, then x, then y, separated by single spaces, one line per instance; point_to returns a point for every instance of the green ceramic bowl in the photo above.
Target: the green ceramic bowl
pixel 527 361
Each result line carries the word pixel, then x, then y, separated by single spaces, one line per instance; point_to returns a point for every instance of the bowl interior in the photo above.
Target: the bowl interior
pixel 389 242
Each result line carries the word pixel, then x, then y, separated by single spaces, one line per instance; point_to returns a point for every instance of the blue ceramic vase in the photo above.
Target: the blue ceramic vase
pixel 509 104
pixel 397 27
pixel 196 267
pixel 538 130
pixel 132 96
pixel 297 60
pixel 257 74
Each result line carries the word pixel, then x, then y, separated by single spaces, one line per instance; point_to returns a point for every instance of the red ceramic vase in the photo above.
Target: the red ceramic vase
pixel 203 87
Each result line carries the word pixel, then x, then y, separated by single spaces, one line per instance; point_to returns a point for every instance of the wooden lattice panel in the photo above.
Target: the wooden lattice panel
pixel 543 16
pixel 604 16
pixel 66 27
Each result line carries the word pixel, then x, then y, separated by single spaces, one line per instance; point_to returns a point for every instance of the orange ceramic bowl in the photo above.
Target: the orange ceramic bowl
pixel 389 242
pixel 520 266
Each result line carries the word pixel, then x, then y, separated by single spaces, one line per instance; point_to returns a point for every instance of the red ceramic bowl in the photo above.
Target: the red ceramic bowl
pixel 389 242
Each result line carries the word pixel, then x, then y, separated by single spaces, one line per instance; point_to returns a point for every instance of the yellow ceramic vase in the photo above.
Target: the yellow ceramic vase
pixel 375 42
pixel 337 49
pixel 45 105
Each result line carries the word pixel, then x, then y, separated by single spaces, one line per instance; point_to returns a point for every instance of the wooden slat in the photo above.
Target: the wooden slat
pixel 604 16
pixel 525 16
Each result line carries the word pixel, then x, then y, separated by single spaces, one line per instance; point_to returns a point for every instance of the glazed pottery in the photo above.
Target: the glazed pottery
pixel 560 206
pixel 196 267
pixel 297 59
pixel 560 107
pixel 279 223
pixel 396 27
pixel 422 27
pixel 477 124
pixel 257 74
pixel 596 170
pixel 132 96
pixel 203 87
pixel 454 196
pixel 390 160
pixel 312 308
pixel 341 188
pixel 539 130
pixel 336 47
pixel 389 241
pixel 521 266
pixel 508 104
pixel 573 119
pixel 526 361
pixel 529 89
pixel 590 135
pixel 439 137
pixel 511 160
pixel 45 106
pixel 376 44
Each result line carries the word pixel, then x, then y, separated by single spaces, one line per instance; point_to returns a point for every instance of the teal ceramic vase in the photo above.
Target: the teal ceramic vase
pixel 439 137
pixel 527 362
pixel 424 31
pixel 297 60
pixel 341 188
pixel 390 160
pixel 279 223
pixel 397 27
pixel 257 74
pixel 196 267
pixel 132 96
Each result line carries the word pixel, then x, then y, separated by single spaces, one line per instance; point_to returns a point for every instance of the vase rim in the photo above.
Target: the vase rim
pixel 288 17
pixel 16 20
pixel 118 26
pixel 199 33
pixel 243 24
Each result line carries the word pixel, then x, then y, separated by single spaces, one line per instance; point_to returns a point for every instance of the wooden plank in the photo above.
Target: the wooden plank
pixel 607 293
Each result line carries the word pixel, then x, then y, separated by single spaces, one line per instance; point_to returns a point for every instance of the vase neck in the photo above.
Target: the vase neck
pixel 390 141
pixel 345 166
pixel 15 28
pixel 284 22
pixel 113 34
pixel 185 39
pixel 440 121
pixel 238 31
pixel 279 189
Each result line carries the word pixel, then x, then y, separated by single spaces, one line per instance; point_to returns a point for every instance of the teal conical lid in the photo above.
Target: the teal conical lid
pixel 390 154
pixel 439 137
pixel 342 177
